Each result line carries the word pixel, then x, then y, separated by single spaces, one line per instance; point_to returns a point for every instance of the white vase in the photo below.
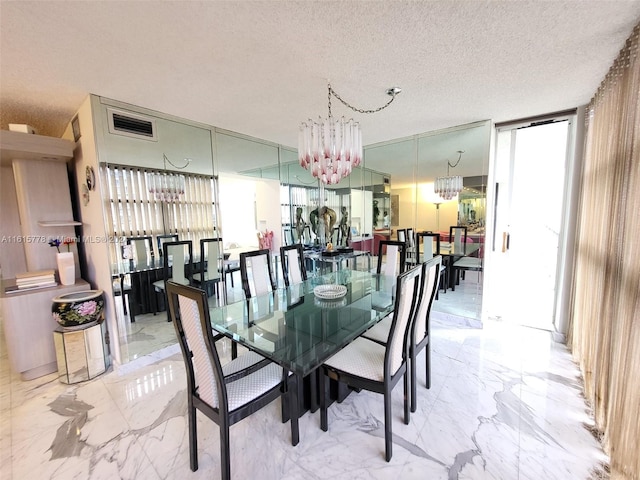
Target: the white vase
pixel 66 268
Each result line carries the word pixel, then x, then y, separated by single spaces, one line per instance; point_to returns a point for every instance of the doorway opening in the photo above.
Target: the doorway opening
pixel 530 182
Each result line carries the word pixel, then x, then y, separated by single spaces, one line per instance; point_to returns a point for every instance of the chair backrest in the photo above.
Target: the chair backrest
pixel 295 238
pixel 402 235
pixel 458 236
pixel 141 249
pixel 428 289
pixel 428 244
pixel 162 239
pixel 210 258
pixel 396 257
pixel 261 277
pixel 407 288
pixel 411 237
pixel 177 258
pixel 189 311
pixel 292 259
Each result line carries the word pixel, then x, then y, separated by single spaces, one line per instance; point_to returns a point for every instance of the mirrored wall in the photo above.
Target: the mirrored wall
pixel 224 176
pixel 414 164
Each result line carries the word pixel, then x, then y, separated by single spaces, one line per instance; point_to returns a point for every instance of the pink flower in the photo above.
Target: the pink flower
pixel 87 308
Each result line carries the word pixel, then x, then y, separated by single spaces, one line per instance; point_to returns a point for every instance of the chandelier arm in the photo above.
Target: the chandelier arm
pixel 391 92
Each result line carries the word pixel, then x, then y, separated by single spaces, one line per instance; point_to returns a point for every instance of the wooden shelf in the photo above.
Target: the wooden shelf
pixel 26 146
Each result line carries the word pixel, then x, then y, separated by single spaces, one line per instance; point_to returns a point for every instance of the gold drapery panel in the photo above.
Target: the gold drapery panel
pixel 134 211
pixel 604 335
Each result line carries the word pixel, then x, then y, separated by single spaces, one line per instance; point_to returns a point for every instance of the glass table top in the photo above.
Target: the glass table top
pixel 298 330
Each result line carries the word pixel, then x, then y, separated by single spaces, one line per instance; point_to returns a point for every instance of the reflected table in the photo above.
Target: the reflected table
pixel 320 261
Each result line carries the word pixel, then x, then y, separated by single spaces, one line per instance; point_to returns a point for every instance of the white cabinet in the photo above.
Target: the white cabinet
pixel 29 325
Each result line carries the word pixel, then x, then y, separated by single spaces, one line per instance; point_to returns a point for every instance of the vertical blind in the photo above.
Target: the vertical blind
pixel 605 314
pixel 134 211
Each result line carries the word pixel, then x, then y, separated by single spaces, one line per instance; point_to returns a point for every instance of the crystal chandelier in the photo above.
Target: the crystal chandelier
pixel 330 148
pixel 449 186
pixel 167 186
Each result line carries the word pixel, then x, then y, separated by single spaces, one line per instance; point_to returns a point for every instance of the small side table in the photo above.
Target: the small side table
pixel 80 353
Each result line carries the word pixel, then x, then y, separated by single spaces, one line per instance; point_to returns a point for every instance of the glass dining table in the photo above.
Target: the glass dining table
pixel 296 329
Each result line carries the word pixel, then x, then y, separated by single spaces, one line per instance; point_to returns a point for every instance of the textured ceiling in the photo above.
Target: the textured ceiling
pixel 259 68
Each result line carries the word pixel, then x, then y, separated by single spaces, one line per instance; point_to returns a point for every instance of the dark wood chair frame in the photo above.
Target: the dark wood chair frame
pixel 386 386
pixel 166 269
pixel 202 269
pixel 161 239
pixel 150 292
pixel 221 415
pixel 402 250
pixel 416 348
pixel 443 270
pixel 285 264
pixel 243 269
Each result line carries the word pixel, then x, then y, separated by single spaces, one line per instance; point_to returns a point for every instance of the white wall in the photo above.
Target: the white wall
pixel 95 236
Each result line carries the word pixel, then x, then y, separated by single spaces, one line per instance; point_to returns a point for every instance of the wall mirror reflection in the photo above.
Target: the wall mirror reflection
pixel 189 187
pixel 415 206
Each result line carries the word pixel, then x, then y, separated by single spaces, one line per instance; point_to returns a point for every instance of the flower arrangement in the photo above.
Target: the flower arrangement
pixel 55 242
pixel 265 239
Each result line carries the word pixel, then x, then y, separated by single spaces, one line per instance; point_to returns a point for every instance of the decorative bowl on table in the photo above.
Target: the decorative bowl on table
pixel 78 310
pixel 335 303
pixel 330 291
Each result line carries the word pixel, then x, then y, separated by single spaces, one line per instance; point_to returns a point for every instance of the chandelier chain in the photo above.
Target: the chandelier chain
pixel 166 159
pixel 460 152
pixel 331 91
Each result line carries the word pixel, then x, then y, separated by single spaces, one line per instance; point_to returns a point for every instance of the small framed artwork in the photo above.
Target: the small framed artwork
pixel 75 126
pixel 90 175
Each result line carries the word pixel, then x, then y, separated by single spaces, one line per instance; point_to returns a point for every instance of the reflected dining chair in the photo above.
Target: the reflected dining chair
pixel 210 271
pixel 458 235
pixel 292 260
pixel 428 246
pixel 140 249
pixel 261 281
pixel 162 239
pixel 138 286
pixel 368 365
pixel 394 253
pixel 176 266
pixel 226 393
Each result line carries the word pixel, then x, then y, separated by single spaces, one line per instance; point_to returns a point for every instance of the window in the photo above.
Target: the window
pixel 135 211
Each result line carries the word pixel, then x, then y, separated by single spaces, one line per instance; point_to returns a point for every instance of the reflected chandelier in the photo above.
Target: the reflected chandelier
pixel 167 186
pixel 330 148
pixel 449 186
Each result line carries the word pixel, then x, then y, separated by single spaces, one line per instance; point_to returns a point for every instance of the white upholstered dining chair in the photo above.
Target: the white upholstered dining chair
pixel 226 393
pixel 368 365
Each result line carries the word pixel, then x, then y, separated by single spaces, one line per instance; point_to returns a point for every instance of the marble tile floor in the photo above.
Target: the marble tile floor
pixel 505 403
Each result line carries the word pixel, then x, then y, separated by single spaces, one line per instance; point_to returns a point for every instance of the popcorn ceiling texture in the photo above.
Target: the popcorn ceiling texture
pixel 260 68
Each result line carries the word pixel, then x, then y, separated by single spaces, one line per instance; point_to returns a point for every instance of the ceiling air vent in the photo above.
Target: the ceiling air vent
pixel 131 125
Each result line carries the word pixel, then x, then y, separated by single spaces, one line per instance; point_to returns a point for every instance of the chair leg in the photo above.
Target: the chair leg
pixel 427 355
pixel 193 437
pixel 388 436
pixel 324 424
pixel 414 381
pixel 407 399
pixel 225 450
